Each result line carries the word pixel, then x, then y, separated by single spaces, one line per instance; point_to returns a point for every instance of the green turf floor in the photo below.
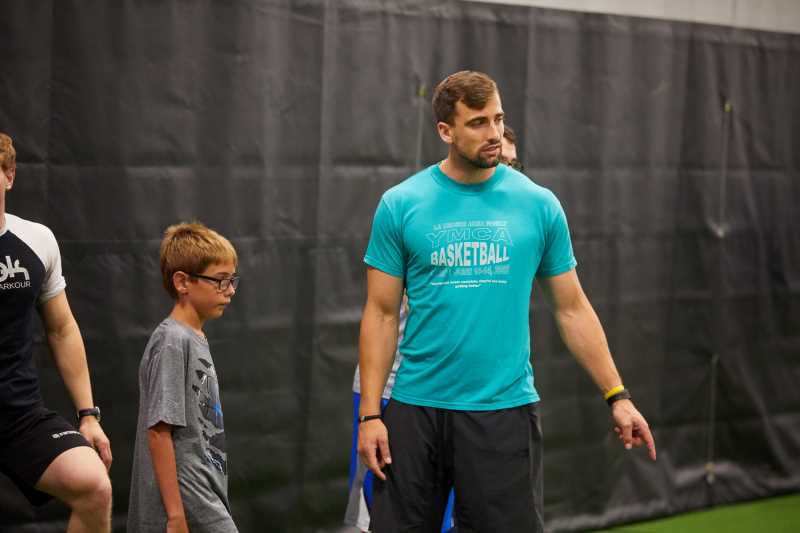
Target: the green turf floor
pixel 773 515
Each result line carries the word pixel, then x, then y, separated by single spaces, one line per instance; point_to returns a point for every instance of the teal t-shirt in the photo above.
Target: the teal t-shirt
pixel 468 255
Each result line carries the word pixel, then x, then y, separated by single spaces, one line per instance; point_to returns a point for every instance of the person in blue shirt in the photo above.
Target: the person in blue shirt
pixel 466 238
pixel 360 478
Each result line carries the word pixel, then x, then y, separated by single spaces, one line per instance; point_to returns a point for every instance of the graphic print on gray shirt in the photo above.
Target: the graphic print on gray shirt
pixel 178 386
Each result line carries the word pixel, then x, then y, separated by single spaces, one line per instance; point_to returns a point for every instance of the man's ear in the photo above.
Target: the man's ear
pixel 10 175
pixel 445 132
pixel 180 280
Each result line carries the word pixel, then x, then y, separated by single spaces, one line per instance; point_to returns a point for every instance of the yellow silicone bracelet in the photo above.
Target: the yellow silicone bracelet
pixel 612 392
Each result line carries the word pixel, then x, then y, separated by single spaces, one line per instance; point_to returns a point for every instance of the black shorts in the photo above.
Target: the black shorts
pixel 31 445
pixel 493 460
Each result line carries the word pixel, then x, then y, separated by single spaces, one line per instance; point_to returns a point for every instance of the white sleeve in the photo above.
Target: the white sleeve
pixel 41 240
pixel 54 281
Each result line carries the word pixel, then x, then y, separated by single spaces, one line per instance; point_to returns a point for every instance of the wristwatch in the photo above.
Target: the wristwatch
pixel 92 411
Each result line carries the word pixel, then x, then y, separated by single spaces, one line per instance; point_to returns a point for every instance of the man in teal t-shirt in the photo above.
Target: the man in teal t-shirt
pixel 466 238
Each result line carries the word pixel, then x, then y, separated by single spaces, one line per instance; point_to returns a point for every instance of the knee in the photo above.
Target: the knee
pixel 94 496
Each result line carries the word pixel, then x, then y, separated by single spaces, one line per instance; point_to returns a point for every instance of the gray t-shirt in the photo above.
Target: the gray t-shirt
pixel 178 386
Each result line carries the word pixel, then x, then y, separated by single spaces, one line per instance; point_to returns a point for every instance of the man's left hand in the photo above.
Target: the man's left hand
pixel 631 427
pixel 91 430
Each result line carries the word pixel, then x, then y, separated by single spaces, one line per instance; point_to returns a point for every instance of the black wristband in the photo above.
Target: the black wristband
pixel 621 395
pixel 92 411
pixel 367 417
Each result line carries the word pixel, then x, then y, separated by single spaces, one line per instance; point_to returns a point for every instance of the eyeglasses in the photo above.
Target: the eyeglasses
pixel 517 165
pixel 222 284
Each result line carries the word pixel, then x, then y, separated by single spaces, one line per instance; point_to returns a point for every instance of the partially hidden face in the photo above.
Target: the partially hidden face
pixel 509 152
pixel 476 133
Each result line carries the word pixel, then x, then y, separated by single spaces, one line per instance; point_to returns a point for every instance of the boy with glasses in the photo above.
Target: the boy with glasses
pixel 179 480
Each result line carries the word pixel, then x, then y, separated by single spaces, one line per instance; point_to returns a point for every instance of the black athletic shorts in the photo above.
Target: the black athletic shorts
pixel 493 460
pixel 29 446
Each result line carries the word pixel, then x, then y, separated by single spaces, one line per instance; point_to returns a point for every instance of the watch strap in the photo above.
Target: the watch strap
pixel 92 411
pixel 621 395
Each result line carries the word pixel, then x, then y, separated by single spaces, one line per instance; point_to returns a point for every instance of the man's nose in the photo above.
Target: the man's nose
pixel 497 132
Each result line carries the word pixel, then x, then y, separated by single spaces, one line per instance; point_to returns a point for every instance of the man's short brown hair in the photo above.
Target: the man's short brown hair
pixel 8 156
pixel 468 86
pixel 191 247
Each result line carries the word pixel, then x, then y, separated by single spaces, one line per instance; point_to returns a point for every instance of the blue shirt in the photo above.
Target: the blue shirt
pixel 468 255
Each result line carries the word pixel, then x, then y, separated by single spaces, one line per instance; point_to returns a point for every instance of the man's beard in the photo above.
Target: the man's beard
pixel 478 161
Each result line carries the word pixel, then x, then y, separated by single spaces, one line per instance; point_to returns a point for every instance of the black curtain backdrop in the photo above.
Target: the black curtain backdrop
pixel 672 146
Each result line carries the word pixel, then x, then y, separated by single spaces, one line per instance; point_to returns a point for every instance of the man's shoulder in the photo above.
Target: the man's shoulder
pixel 28 229
pixel 412 187
pixel 526 184
pixel 532 193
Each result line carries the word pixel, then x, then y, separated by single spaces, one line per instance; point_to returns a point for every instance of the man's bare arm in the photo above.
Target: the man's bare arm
pixel 377 346
pixel 69 355
pixel 583 334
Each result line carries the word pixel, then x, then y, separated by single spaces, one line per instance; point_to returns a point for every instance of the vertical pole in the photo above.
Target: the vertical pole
pixel 422 105
pixel 723 179
pixel 712 412
pixel 719 295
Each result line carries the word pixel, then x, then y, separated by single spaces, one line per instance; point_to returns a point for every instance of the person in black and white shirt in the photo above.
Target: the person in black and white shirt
pixel 42 453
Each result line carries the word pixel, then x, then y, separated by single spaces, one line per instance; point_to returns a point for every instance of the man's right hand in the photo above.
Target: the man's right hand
pixel 92 432
pixel 373 446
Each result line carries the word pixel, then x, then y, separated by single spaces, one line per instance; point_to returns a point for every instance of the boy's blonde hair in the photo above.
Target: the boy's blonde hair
pixel 8 156
pixel 191 247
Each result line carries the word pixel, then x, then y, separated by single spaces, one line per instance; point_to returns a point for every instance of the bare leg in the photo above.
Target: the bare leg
pixel 78 478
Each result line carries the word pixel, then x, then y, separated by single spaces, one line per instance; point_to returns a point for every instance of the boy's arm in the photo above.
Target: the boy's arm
pixel 162 450
pixel 69 354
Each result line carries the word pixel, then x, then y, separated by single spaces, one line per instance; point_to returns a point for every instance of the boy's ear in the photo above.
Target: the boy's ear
pixel 180 280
